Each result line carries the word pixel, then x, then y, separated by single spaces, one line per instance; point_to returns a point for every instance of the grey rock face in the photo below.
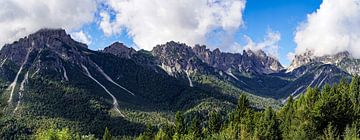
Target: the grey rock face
pixel 178 56
pixel 48 50
pixel 343 60
pixel 119 49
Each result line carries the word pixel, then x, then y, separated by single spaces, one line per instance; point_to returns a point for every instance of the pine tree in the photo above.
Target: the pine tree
pixel 268 127
pixel 330 133
pixel 287 114
pixel 161 135
pixel 195 127
pixel 214 123
pixel 355 95
pixel 242 106
pixel 64 134
pixel 351 133
pixel 107 135
pixel 149 132
pixel 311 96
pixel 243 103
pixel 179 123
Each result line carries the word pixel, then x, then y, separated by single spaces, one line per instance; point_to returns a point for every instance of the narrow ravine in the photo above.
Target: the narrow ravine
pixel 188 77
pixel 115 102
pixel 65 74
pixel 21 90
pixel 3 62
pixel 232 75
pixel 37 71
pixel 322 81
pixel 13 84
pixel 315 78
pixel 112 81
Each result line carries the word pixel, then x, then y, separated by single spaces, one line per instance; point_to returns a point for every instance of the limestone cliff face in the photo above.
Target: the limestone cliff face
pixel 181 57
pixel 343 60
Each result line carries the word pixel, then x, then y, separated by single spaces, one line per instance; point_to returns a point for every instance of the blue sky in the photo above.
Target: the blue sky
pixel 259 17
pixel 278 15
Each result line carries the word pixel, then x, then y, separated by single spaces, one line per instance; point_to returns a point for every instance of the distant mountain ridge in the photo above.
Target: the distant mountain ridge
pixel 251 71
pixel 250 62
pixel 343 60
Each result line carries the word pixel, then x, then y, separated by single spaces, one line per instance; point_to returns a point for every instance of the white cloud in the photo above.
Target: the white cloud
pixel 19 18
pixel 333 28
pixel 81 37
pixel 105 24
pixel 290 56
pixel 157 21
pixel 270 44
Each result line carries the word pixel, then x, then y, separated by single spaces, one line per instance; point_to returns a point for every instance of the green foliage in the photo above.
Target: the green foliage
pixel 268 127
pixel 148 134
pixel 60 134
pixel 179 123
pixel 107 135
pixel 162 135
pixel 330 133
pixel 351 133
pixel 214 123
pixel 195 128
pixel 329 113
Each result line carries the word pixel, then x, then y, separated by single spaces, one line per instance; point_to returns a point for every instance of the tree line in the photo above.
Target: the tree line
pixel 330 113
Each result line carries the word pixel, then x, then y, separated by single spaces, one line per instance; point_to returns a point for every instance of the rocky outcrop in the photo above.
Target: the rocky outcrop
pixel 177 56
pixel 343 60
pixel 120 50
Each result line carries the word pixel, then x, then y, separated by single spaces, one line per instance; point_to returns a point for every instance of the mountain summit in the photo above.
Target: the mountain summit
pixel 343 60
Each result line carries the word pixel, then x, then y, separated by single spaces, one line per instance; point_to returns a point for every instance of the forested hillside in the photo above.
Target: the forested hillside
pixel 332 112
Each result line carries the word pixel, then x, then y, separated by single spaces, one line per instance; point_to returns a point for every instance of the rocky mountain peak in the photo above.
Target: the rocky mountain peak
pixel 174 57
pixel 119 49
pixel 45 44
pixel 60 33
pixel 264 63
pixel 216 51
pixel 309 57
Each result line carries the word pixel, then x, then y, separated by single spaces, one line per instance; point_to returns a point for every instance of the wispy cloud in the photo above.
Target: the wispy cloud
pixel 270 44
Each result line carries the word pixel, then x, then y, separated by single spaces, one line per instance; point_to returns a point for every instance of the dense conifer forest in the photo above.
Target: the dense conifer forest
pixel 330 113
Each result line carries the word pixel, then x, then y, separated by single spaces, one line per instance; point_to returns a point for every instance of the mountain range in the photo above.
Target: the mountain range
pixel 49 78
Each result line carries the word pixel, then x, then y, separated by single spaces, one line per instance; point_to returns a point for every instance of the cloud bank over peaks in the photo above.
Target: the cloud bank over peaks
pixel 190 21
pixel 333 28
pixel 270 44
pixel 19 18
